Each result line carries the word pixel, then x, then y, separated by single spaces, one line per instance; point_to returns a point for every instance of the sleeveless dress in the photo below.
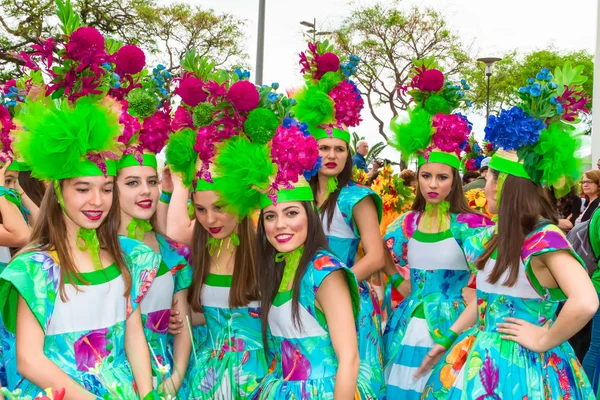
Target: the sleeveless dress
pixel 231 362
pixel 481 365
pixel 84 336
pixel 4 334
pixel 438 273
pixel 343 238
pixel 305 361
pixel 173 275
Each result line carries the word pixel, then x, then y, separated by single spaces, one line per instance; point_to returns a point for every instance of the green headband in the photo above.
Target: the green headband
pixel 18 166
pixel 319 133
pixel 505 165
pixel 87 168
pixel 300 193
pixel 148 160
pixel 202 185
pixel 442 158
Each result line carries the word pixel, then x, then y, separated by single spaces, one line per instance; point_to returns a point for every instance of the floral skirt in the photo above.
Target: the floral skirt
pixel 369 339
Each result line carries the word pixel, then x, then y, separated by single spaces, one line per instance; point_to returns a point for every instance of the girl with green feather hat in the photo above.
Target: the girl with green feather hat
pixel 428 238
pixel 147 125
pixel 71 298
pixel 309 298
pixel 525 267
pixel 230 361
pixel 329 104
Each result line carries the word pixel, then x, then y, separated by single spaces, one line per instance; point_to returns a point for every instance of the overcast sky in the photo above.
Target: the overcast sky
pixel 493 26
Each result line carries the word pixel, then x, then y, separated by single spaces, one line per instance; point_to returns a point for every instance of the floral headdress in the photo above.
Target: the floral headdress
pixel 536 138
pixel 433 132
pixel 7 126
pixel 474 154
pixel 330 102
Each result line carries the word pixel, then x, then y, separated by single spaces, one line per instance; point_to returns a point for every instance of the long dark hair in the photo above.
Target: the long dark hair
pixel 34 188
pixel 244 287
pixel 50 231
pixel 345 177
pixel 456 197
pixel 270 272
pixel 523 203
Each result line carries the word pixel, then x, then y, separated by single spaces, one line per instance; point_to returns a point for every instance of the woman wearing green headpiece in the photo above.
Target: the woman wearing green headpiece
pixel 329 104
pixel 137 180
pixel 525 267
pixel 429 238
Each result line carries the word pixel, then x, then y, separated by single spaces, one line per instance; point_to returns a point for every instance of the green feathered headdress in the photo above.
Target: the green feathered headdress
pixel 181 157
pixel 59 140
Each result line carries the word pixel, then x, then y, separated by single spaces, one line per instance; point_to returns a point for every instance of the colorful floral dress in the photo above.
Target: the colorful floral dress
pixel 305 361
pixel 231 362
pixel 84 336
pixel 481 365
pixel 173 275
pixel 438 273
pixel 344 238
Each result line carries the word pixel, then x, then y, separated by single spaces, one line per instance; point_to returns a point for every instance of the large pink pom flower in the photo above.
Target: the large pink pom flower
pixel 182 119
pixel 328 62
pixel 348 104
pixel 85 45
pixel 432 80
pixel 191 91
pixel 130 59
pixel 155 131
pixel 244 96
pixel 451 131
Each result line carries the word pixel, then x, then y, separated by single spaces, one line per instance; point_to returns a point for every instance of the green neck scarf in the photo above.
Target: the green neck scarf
pixel 87 239
pixel 217 244
pixel 439 210
pixel 137 228
pixel 332 183
pixel 292 261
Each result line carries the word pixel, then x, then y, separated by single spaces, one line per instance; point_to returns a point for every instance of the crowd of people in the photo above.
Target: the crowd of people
pixel 242 268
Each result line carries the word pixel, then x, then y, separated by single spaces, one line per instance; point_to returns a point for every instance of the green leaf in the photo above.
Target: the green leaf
pixel 58 93
pixel 569 76
pixel 112 45
pixel 69 19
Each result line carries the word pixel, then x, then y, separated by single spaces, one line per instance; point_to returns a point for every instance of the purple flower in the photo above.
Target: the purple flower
pixel 91 349
pixel 296 366
pixel 158 321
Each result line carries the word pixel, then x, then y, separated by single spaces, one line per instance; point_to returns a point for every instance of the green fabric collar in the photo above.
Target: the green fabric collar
pixel 137 228
pixel 292 261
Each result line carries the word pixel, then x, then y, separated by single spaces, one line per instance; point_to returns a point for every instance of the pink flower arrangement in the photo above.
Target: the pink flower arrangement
pixel 182 119
pixel 191 91
pixel 451 131
pixel 348 104
pixel 573 103
pixel 131 125
pixel 155 130
pixel 206 138
pixel 243 96
pixel 129 59
pixel 7 126
pixel 86 45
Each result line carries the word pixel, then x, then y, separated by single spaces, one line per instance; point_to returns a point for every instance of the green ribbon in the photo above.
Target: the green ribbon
pixel 501 179
pixel 87 239
pixel 137 228
pixel 13 196
pixel 214 244
pixel 332 183
pixel 292 261
pixel 442 208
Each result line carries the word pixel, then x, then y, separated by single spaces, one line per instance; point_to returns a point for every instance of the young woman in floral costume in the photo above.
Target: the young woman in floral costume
pixel 429 238
pixel 350 213
pixel 137 180
pixel 518 348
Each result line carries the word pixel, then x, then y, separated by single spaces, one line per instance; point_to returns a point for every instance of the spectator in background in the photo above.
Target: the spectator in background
pixel 469 177
pixel 409 177
pixel 598 163
pixel 479 183
pixel 590 185
pixel 362 149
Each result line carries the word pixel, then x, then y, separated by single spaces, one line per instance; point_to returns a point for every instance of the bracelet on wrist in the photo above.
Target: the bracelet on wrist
pixel 396 280
pixel 444 339
pixel 165 197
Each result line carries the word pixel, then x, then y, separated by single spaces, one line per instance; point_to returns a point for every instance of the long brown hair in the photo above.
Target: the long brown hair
pixel 456 197
pixel 345 177
pixel 49 234
pixel 244 286
pixel 523 204
pixel 34 188
pixel 270 272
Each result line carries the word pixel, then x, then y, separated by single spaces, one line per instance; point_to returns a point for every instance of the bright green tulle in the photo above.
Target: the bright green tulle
pixel 180 155
pixel 413 135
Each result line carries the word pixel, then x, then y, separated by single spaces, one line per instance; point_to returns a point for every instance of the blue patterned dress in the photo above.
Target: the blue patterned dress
pixel 344 238
pixel 481 365
pixel 85 335
pixel 438 273
pixel 305 360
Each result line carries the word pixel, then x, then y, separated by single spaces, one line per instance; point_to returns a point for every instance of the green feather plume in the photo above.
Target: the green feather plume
pixel 329 81
pixel 180 155
pixel 314 107
pixel 56 136
pixel 261 125
pixel 244 169
pixel 413 135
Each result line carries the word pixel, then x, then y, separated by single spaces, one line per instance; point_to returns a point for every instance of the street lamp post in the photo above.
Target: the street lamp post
pixel 488 61
pixel 260 45
pixel 313 29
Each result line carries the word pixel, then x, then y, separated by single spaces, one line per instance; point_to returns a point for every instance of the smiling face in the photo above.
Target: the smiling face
pixel 286 225
pixel 213 219
pixel 435 182
pixel 334 154
pixel 88 200
pixel 10 179
pixel 138 191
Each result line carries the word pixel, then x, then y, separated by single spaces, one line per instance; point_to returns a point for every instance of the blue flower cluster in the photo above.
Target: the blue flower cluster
pixel 10 99
pixel 460 89
pixel 289 121
pixel 513 129
pixel 535 89
pixel 559 107
pixel 314 170
pixel 469 123
pixel 350 67
pixel 544 75
pixel 272 97
pixel 114 78
pixel 242 75
pixel 159 76
pixel 478 160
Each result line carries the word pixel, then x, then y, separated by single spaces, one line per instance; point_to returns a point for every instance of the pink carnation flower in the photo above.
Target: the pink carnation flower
pixel 129 59
pixel 243 96
pixel 155 131
pixel 191 91
pixel 451 131
pixel 182 119
pixel 85 45
pixel 348 104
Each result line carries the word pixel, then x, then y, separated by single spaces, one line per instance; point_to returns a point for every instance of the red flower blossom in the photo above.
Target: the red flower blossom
pixel 155 131
pixel 182 119
pixel 328 62
pixel 86 45
pixel 191 91
pixel 129 59
pixel 243 96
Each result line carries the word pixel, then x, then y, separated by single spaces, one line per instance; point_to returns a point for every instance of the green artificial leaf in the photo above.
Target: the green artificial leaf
pixel 69 19
pixel 112 45
pixel 58 93
pixel 569 76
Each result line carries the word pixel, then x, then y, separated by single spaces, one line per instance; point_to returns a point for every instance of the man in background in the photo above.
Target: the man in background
pixel 479 183
pixel 362 149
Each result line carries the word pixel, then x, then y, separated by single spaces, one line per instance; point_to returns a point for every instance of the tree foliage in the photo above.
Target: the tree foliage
pixel 387 38
pixel 166 32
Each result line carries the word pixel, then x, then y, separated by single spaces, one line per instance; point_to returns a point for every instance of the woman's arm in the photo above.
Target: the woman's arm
pixel 390 270
pixel 138 355
pixel 580 307
pixel 179 226
pixel 14 231
pixel 365 217
pixel 33 364
pixel 166 187
pixel 333 298
pixel 182 347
